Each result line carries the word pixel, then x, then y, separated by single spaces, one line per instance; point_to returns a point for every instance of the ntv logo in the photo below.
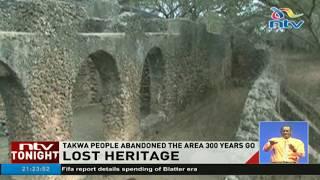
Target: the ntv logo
pixel 280 23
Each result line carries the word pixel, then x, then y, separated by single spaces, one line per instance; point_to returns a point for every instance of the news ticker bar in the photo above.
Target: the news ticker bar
pixel 160 169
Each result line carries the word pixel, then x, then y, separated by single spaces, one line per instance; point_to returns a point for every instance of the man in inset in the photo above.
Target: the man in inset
pixel 285 149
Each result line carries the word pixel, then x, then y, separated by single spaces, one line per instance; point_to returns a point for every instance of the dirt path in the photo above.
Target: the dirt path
pixel 87 124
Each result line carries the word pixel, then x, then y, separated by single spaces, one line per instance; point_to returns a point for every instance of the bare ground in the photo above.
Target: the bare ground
pixel 87 124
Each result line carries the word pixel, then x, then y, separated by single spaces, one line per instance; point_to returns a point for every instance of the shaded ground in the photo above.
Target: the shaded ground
pixel 87 124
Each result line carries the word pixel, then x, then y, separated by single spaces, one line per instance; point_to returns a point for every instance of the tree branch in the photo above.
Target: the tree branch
pixel 312 8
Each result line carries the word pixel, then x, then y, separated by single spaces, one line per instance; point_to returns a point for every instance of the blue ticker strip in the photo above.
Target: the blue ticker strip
pixel 30 169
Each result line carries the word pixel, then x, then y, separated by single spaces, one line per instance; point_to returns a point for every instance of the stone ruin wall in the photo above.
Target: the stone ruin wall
pixel 200 64
pixel 261 104
pixel 3 119
pixel 48 79
pixel 87 86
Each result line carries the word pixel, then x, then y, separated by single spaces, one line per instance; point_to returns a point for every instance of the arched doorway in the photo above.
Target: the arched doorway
pixel 151 88
pixel 96 87
pixel 15 122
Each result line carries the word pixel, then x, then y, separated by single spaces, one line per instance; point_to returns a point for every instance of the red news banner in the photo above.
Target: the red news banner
pixel 35 152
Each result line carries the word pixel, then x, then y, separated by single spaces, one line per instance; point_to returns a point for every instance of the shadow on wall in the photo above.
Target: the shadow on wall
pixel 94 99
pixel 152 88
pixel 16 109
pixel 247 62
pixel 3 119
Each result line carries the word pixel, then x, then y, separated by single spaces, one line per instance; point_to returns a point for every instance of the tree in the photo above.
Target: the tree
pixel 234 13
pixel 170 9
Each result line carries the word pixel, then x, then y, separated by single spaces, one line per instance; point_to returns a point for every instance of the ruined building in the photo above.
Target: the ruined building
pixel 60 56
pixel 57 56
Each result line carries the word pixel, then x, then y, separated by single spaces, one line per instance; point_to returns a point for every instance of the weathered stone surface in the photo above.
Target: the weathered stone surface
pixel 261 104
pixel 247 62
pixel 3 119
pixel 47 62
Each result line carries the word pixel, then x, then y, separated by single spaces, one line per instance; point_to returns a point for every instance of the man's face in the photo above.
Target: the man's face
pixel 286 132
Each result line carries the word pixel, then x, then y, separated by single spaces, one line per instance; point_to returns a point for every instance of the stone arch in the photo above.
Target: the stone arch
pixel 100 83
pixel 16 107
pixel 151 85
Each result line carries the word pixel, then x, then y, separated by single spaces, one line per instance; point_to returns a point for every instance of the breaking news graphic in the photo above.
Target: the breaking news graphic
pixel 34 152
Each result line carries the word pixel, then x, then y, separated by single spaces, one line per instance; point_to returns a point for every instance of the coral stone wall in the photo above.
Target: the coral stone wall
pixel 47 69
pixel 87 88
pixel 194 64
pixel 3 119
pixel 57 77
